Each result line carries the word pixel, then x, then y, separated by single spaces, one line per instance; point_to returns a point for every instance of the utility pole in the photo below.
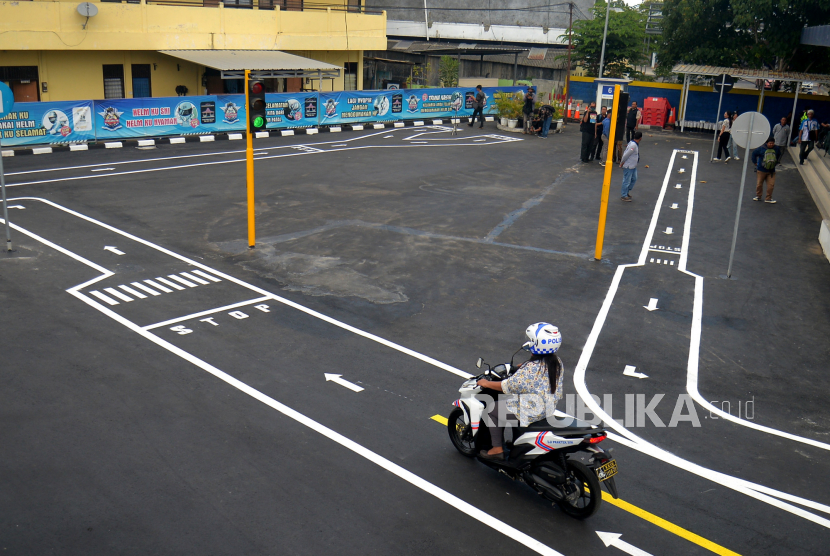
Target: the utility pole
pixel 570 42
pixel 604 37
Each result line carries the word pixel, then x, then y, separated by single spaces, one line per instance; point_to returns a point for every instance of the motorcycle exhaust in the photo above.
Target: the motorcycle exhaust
pixel 547 489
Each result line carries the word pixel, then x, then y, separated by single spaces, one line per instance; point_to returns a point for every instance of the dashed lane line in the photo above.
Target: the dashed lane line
pixel 648 516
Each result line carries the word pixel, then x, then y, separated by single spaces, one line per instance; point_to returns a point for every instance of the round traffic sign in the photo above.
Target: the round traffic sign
pixel 752 128
pixel 6 99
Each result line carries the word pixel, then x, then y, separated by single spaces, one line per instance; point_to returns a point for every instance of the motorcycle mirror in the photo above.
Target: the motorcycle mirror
pixel 479 362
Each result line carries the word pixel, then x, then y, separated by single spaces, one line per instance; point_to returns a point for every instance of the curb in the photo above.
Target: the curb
pixel 229 136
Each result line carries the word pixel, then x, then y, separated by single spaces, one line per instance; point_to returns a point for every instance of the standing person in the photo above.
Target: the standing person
pixel 527 109
pixel 588 127
pixel 628 162
pixel 597 150
pixel 724 134
pixel 781 134
pixel 478 108
pixel 731 147
pixel 546 112
pixel 632 121
pixel 808 133
pixel 606 133
pixel 765 159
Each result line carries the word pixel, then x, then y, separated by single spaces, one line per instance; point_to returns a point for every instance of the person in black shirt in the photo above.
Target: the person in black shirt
pixel 527 110
pixel 588 127
pixel 597 149
pixel 632 121
pixel 478 108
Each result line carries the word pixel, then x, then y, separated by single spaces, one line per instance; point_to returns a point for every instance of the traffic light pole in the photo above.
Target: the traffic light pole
pixel 249 166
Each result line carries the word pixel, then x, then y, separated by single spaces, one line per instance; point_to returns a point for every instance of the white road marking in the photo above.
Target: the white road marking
pixel 131 291
pixel 613 539
pixel 21 207
pixel 632 371
pixel 101 169
pixel 141 286
pixel 113 249
pixel 159 286
pixel 168 283
pixel 668 231
pixel 206 275
pixel 340 145
pixel 652 304
pixel 388 136
pixel 674 206
pixel 678 186
pixel 194 278
pixel 337 379
pixel 181 280
pixel 203 313
pixel 105 298
pixel 115 293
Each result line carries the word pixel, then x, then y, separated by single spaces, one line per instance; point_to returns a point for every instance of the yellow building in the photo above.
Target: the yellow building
pixel 49 51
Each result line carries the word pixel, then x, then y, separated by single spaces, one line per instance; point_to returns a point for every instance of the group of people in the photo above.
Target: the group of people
pixel 536 120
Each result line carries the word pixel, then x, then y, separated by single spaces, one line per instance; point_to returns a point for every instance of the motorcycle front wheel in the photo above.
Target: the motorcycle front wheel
pixel 589 496
pixel 461 433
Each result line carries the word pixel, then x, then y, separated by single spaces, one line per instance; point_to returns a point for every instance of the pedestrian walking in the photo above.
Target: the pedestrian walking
pixel 765 159
pixel 628 162
pixel 546 112
pixel 588 127
pixel 724 134
pixel 781 134
pixel 478 107
pixel 632 121
pixel 598 142
pixel 731 147
pixel 527 110
pixel 808 133
pixel 606 133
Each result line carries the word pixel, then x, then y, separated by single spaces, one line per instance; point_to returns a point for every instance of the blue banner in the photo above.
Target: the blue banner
pixel 284 110
pixel 38 123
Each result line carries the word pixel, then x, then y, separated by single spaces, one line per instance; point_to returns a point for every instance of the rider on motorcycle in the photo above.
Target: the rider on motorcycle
pixel 538 383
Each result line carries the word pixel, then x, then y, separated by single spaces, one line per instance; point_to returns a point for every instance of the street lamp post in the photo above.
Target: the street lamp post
pixel 605 36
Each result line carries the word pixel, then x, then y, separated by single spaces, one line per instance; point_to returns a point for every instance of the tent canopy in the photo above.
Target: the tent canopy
pixel 751 74
pixel 261 63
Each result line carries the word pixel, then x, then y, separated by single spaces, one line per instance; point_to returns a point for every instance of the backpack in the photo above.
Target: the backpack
pixel 770 159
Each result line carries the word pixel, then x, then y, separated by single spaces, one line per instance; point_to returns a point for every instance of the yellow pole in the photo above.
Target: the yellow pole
pixel 606 181
pixel 249 166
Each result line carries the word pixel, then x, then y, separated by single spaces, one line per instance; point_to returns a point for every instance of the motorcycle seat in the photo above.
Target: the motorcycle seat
pixel 561 426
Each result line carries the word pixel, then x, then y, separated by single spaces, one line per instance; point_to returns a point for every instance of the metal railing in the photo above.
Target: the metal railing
pixel 285 5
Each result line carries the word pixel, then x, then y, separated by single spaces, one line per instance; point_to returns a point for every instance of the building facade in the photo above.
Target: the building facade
pixel 49 51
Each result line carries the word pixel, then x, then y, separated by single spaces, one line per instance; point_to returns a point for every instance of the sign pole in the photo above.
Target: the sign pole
pixel 249 167
pixel 5 208
pixel 606 181
pixel 717 118
pixel 740 196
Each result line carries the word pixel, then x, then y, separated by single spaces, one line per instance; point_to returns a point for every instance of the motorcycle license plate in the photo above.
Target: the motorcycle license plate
pixel 607 470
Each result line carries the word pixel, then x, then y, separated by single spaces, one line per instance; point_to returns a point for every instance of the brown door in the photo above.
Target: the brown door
pixel 24 92
pixel 293 84
pixel 215 85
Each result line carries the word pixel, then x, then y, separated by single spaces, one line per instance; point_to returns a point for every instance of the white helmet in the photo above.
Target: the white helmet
pixel 543 338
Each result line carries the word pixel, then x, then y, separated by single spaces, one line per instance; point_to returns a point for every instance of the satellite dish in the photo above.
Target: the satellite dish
pixel 87 9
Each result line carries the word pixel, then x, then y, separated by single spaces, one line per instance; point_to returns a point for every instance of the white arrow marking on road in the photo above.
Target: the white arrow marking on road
pixel 21 207
pixel 631 371
pixel 681 171
pixel 674 205
pixel 113 249
pixel 652 304
pixel 613 539
pixel 337 380
pixel 678 186
pixel 668 231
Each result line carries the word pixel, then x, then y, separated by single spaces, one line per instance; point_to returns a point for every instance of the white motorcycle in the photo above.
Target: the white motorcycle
pixel 539 453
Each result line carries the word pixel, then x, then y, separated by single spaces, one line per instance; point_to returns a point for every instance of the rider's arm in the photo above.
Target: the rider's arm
pixel 490 384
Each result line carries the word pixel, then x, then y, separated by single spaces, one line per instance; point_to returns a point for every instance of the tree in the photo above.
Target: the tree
pixel 448 71
pixel 623 46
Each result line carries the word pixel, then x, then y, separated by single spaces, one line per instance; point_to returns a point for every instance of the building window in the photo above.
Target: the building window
pixel 113 81
pixel 355 5
pixel 141 81
pixel 350 77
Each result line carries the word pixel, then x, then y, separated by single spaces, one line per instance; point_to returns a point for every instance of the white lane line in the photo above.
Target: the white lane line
pixel 203 313
pixel 105 298
pixel 759 492
pixel 101 169
pixel 159 286
pixel 141 286
pixel 377 459
pixel 131 291
pixel 194 278
pixel 168 283
pixel 115 293
pixel 181 280
pixel 206 275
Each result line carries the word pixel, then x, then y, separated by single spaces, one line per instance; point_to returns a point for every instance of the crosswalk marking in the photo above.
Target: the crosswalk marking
pixel 194 278
pixel 140 286
pixel 131 291
pixel 168 283
pixel 105 298
pixel 159 286
pixel 181 280
pixel 115 293
pixel 206 275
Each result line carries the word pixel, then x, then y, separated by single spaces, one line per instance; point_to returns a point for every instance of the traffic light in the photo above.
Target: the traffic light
pixel 256 105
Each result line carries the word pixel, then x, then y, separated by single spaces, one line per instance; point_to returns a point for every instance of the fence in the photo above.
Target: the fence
pixel 34 123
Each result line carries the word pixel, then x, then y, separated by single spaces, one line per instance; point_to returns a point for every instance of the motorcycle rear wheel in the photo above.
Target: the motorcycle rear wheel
pixel 461 433
pixel 590 493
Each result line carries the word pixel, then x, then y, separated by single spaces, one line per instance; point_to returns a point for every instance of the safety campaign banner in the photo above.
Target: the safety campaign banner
pixel 283 110
pixel 38 123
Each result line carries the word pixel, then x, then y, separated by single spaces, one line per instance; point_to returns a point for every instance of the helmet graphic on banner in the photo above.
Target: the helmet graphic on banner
pixel 542 338
pixel 294 109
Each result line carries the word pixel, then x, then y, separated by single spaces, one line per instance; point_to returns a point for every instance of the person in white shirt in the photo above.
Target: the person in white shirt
pixel 628 162
pixel 807 136
pixel 724 135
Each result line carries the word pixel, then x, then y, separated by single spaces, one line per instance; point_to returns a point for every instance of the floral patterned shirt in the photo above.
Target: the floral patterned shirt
pixel 534 401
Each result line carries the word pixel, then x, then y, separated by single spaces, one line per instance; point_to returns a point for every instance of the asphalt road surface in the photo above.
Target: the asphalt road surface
pixel 165 389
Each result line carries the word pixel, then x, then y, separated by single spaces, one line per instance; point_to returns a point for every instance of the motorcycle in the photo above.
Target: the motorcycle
pixel 540 453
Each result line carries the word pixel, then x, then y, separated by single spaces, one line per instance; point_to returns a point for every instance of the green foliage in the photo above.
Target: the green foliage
pixel 509 105
pixel 749 33
pixel 623 46
pixel 448 71
pixel 419 75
